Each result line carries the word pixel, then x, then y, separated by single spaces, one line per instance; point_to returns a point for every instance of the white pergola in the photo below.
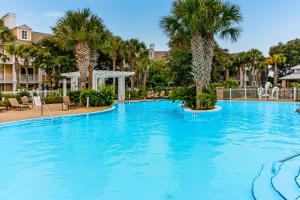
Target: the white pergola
pixel 99 77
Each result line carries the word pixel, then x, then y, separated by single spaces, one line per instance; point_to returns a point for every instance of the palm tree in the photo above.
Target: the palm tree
pixel 275 60
pixel 6 36
pixel 201 21
pixel 26 52
pixel 5 33
pixel 143 64
pixel 79 31
pixel 133 50
pixel 241 60
pixel 15 51
pixel 113 48
pixel 254 57
pixel 228 63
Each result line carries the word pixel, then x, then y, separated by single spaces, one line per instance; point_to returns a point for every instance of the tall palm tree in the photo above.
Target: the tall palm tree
pixel 26 52
pixel 15 51
pixel 201 21
pixel 113 48
pixel 275 60
pixel 254 57
pixel 228 64
pixel 134 49
pixel 79 31
pixel 241 60
pixel 143 64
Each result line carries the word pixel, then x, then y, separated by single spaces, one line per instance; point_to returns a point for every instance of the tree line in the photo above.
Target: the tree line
pixel 80 41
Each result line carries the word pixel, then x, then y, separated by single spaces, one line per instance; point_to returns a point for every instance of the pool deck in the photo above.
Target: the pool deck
pixel 55 109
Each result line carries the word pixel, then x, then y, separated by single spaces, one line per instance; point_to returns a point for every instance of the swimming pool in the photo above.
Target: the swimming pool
pixel 151 150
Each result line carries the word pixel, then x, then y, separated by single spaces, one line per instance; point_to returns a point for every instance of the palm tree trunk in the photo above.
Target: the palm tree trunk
pixel 17 69
pixel 145 79
pixel 241 77
pixel 82 57
pixel 92 65
pixel 202 55
pixel 114 60
pixel 133 77
pixel 26 72
pixel 227 74
pixel 275 75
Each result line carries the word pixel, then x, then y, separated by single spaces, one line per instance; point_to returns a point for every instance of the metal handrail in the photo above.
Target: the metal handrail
pixel 44 103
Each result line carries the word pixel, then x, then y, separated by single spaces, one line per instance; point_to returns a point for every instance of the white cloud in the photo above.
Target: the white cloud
pixel 53 14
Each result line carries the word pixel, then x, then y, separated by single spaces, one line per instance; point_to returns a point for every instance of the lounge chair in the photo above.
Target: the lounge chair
pixel 150 95
pixel 15 104
pixel 167 96
pixel 25 101
pixel 67 102
pixel 2 109
pixel 162 94
pixel 156 95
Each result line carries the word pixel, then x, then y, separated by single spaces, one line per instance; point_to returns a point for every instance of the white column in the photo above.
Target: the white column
pixel 64 87
pixel 121 88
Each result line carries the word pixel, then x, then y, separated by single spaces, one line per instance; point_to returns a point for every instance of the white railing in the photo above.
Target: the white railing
pixel 284 94
pixel 41 93
pixel 31 78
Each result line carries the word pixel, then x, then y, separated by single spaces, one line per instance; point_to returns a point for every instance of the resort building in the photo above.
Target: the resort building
pixel 23 35
pixel 294 77
pixel 157 55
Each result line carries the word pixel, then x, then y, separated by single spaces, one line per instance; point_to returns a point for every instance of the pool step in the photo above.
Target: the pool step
pixel 279 180
pixel 262 187
pixel 284 181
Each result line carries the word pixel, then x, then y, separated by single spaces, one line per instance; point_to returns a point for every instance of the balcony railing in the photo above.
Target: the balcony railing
pixel 32 78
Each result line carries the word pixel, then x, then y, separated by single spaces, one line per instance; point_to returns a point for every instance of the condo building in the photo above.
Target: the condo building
pixel 23 35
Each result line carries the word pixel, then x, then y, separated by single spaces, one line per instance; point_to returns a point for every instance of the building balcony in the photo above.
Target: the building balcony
pixel 32 78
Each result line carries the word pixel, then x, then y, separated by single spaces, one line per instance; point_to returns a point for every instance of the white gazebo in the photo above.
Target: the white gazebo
pixel 99 77
pixel 292 77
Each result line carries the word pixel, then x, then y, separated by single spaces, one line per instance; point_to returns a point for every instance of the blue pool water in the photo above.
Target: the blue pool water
pixel 149 151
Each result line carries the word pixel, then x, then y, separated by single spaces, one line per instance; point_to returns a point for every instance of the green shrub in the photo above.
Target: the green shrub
pixel 74 96
pixel 136 94
pixel 103 97
pixel 208 99
pixel 186 94
pixel 107 95
pixel 231 83
pixel 295 84
pixel 7 96
pixel 23 92
pixel 53 98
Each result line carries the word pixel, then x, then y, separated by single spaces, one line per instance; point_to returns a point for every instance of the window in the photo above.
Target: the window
pixel 24 34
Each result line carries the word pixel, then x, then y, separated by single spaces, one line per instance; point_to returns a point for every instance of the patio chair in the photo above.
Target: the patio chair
pixel 156 95
pixel 25 101
pixel 3 109
pixel 150 95
pixel 162 94
pixel 15 104
pixel 167 96
pixel 67 102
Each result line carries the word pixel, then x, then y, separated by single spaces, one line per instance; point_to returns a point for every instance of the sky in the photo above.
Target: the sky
pixel 265 22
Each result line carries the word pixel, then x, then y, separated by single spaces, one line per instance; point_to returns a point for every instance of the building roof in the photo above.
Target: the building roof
pixel 296 67
pixel 160 55
pixel 101 73
pixel 294 76
pixel 24 26
pixel 38 36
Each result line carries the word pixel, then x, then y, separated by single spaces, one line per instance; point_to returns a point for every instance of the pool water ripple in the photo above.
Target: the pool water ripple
pixel 150 150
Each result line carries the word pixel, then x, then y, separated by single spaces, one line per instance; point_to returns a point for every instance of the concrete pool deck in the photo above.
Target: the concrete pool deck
pixel 55 109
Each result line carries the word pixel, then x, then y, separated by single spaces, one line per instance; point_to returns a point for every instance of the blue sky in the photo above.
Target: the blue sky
pixel 266 22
